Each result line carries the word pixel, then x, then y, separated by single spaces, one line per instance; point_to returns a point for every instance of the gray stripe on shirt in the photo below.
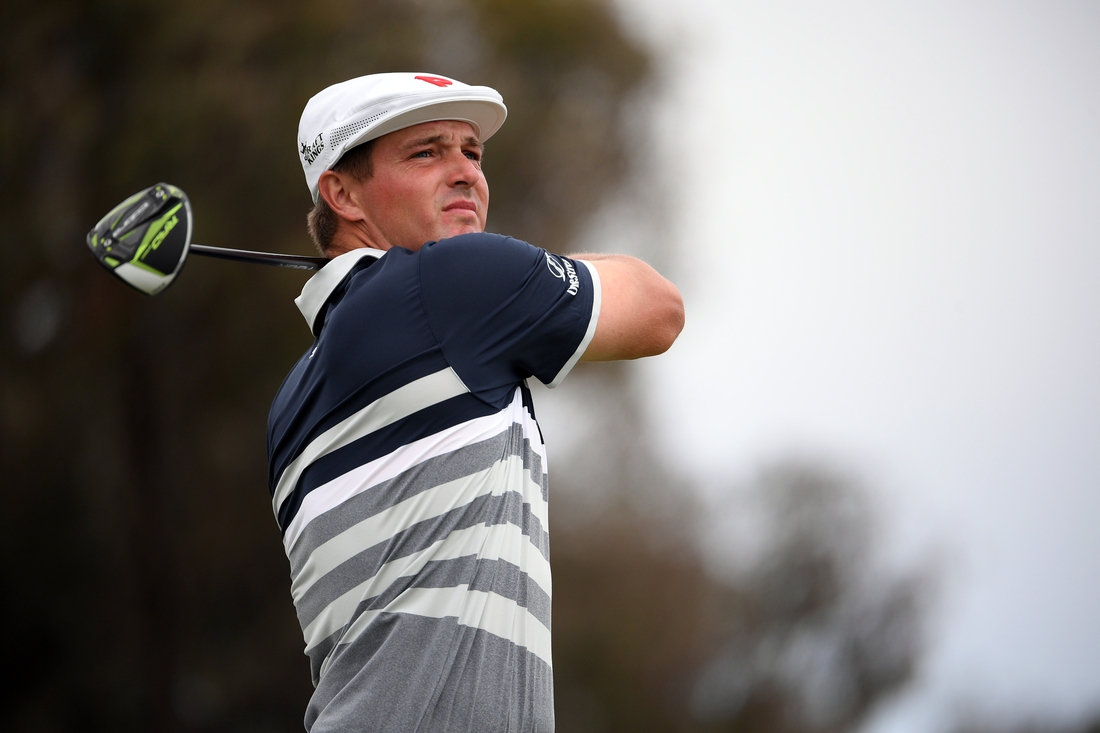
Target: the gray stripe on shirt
pixel 417 479
pixel 491 576
pixel 431 675
pixel 488 510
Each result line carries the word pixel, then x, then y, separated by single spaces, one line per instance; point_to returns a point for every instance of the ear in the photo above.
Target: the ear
pixel 334 188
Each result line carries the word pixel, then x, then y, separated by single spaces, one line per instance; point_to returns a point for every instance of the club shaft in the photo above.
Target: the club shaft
pixel 297 262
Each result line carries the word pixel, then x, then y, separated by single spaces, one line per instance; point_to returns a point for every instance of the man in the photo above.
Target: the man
pixel 407 471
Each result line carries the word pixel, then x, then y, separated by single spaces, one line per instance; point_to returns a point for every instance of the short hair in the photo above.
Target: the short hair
pixel 322 222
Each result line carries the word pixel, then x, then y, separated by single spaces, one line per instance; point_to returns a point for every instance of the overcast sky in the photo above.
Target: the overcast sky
pixel 885 219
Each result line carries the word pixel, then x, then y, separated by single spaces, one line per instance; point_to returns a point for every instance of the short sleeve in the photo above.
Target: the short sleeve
pixel 504 310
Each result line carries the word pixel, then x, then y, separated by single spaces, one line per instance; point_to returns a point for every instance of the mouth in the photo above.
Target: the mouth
pixel 462 205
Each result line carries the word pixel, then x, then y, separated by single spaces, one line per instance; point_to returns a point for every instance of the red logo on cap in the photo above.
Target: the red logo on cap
pixel 439 81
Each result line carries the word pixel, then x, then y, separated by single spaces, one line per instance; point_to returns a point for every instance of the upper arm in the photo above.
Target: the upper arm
pixel 641 313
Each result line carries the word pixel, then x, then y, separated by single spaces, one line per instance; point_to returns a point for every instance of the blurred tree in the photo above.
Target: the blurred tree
pixel 810 637
pixel 145 587
pixel 807 636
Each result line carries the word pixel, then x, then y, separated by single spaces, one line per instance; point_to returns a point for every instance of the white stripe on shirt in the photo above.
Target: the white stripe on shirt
pixel 501 542
pixel 489 612
pixel 386 410
pixel 360 479
pixel 418 508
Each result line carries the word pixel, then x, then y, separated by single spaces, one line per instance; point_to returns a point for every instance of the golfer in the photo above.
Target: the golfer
pixel 407 471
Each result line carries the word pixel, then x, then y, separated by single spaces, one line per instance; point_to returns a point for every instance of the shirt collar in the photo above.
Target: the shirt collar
pixel 318 288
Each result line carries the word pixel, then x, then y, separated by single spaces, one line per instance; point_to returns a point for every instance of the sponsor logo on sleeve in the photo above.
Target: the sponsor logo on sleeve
pixel 563 270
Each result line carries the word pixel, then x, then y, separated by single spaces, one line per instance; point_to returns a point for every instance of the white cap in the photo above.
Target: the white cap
pixel 352 112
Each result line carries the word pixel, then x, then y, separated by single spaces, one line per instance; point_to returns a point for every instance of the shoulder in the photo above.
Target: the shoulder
pixel 483 248
pixel 476 240
pixel 480 260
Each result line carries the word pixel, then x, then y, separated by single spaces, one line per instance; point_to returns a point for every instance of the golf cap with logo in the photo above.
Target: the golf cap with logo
pixel 352 112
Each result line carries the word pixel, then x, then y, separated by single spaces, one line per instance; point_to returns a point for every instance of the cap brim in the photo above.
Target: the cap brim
pixel 485 115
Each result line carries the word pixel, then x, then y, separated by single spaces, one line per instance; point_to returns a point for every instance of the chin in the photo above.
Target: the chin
pixel 454 231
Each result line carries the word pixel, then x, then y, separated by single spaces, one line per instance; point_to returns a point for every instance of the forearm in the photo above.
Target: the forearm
pixel 641 314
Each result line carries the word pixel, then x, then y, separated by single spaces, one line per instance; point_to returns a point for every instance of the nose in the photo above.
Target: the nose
pixel 464 171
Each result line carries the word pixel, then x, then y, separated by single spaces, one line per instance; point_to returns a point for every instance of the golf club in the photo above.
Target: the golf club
pixel 145 240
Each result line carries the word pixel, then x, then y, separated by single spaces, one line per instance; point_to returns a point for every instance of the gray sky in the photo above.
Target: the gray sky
pixel 886 222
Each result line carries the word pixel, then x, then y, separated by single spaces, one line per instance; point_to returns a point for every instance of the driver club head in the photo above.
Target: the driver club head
pixel 144 241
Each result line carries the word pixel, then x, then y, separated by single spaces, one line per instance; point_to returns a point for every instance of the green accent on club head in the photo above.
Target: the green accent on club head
pixel 118 211
pixel 156 233
pixel 112 261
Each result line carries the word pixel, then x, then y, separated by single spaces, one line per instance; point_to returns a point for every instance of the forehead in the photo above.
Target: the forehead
pixel 449 131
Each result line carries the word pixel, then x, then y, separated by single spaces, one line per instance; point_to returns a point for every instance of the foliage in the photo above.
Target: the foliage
pixel 147 585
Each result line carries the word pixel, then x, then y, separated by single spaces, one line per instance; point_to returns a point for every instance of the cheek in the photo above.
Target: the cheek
pixel 484 188
pixel 404 204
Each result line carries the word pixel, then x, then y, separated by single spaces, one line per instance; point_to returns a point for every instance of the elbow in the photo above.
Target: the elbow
pixel 676 320
pixel 646 323
pixel 666 321
pixel 672 322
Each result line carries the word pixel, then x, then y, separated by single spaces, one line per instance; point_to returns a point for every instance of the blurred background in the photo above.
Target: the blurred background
pixel 861 492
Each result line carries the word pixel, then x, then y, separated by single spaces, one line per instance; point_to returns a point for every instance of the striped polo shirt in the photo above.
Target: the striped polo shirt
pixel 408 478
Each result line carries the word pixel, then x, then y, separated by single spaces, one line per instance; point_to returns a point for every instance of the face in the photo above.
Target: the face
pixel 427 185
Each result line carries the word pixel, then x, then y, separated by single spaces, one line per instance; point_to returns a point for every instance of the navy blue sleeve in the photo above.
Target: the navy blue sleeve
pixel 504 310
